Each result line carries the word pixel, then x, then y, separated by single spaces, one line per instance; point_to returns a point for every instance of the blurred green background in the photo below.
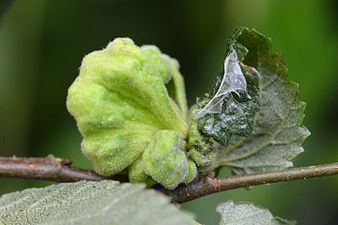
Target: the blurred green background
pixel 42 43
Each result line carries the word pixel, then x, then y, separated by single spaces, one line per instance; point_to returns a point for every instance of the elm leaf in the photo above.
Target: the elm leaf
pixel 248 214
pixel 87 202
pixel 277 134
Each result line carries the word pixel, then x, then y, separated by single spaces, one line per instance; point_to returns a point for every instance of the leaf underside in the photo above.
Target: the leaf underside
pixel 278 133
pixel 248 214
pixel 87 202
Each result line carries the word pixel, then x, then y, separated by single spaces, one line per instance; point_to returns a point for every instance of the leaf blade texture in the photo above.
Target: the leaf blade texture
pixel 247 214
pixel 88 202
pixel 278 132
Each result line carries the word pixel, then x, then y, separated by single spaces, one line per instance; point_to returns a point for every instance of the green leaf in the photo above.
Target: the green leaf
pixel 124 97
pixel 248 214
pixel 234 103
pixel 277 135
pixel 164 159
pixel 87 202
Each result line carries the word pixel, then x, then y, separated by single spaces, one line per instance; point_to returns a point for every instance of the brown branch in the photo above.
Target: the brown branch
pixel 208 185
pixel 48 168
pixel 56 169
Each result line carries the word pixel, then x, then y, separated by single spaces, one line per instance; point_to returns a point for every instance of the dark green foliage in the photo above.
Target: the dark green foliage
pixel 237 111
pixel 277 133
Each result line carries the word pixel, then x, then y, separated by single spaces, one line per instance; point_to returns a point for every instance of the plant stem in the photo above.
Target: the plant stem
pixel 56 169
pixel 48 168
pixel 207 185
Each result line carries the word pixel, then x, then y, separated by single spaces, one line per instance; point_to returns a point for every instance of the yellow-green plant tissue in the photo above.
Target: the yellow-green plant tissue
pixel 130 106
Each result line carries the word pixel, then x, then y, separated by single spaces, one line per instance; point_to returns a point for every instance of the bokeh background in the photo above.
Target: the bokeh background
pixel 42 43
